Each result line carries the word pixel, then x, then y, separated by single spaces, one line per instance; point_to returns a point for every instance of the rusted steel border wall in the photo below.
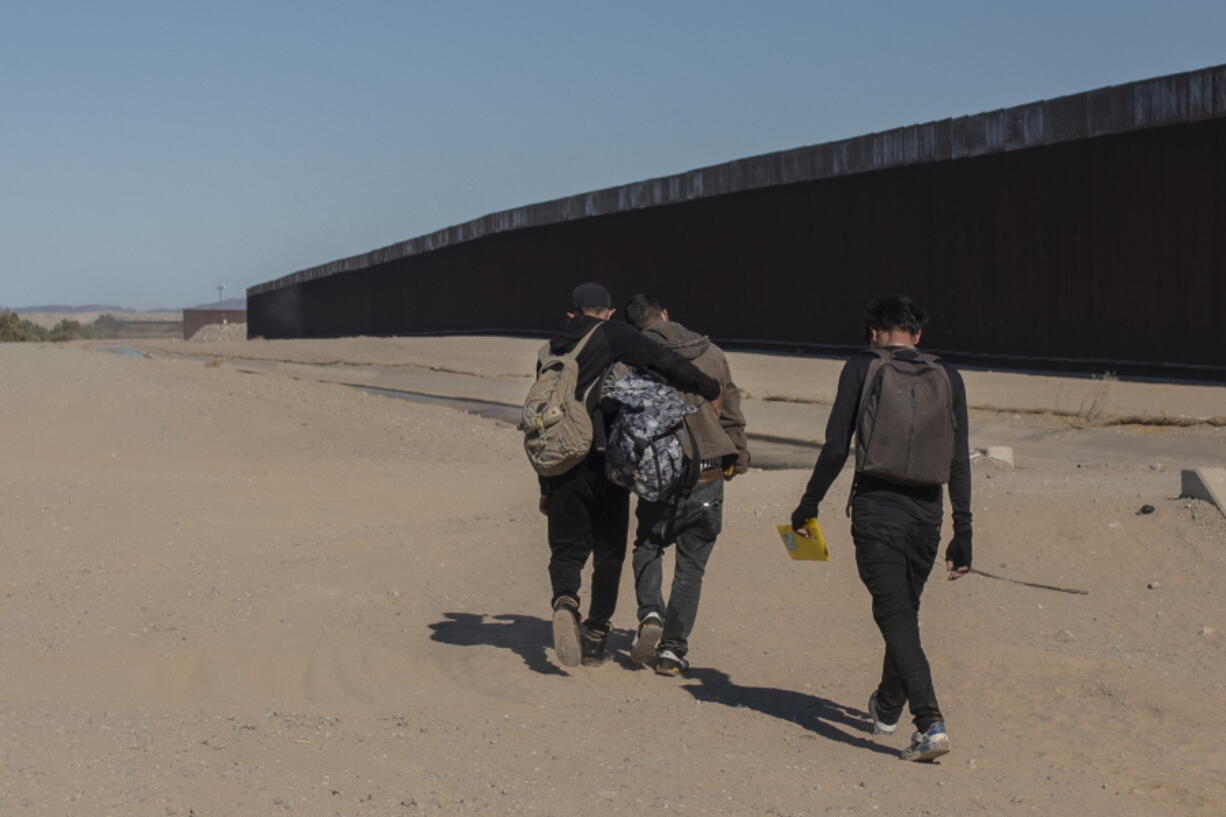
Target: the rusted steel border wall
pixel 1089 229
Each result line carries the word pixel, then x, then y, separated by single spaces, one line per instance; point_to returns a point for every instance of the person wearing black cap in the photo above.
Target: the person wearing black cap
pixel 588 515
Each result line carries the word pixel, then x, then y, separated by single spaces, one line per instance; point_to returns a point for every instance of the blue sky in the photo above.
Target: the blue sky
pixel 150 150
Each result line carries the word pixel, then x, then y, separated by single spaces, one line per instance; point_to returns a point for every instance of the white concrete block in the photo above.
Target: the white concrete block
pixel 1003 453
pixel 1208 484
pixel 1000 453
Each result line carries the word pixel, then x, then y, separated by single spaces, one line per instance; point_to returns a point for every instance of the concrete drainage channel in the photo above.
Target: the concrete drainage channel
pixel 769 453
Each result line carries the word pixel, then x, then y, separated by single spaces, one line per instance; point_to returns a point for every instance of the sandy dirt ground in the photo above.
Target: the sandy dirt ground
pixel 248 594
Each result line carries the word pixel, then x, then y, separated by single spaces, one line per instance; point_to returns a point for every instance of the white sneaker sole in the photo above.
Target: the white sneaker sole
pixel 566 637
pixel 931 750
pixel 644 649
pixel 879 728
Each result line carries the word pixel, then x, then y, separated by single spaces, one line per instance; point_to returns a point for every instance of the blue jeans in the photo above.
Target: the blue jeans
pixel 691 522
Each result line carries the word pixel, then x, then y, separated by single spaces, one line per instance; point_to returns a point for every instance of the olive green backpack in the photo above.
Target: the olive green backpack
pixel 556 423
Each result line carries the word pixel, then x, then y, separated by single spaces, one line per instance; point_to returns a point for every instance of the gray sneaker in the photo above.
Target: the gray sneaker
pixel 880 727
pixel 643 650
pixel 566 631
pixel 927 745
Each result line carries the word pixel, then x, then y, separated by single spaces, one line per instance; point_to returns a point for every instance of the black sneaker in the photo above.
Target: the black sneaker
pixel 595 648
pixel 643 650
pixel 566 631
pixel 671 664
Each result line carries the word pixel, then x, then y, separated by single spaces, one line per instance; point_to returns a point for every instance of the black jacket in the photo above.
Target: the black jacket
pixel 619 342
pixel 923 503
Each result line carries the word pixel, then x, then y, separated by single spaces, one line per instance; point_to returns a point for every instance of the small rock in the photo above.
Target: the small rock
pixel 1206 630
pixel 1157 466
pixel 1065 635
pixel 1153 585
pixel 1145 509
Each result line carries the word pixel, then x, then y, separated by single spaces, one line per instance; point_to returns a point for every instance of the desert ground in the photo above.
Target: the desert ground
pixel 236 585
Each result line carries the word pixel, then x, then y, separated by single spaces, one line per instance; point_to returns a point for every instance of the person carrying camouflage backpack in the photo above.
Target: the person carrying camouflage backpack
pixel 690 516
pixel 588 515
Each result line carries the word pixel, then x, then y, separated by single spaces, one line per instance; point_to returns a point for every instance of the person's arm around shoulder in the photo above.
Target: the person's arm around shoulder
pixel 960 550
pixel 839 430
pixel 627 344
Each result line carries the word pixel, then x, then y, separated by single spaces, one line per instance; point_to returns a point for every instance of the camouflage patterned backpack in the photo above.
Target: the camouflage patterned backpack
pixel 646 448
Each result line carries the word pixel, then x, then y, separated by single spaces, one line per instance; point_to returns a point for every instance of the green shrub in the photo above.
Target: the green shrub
pixel 10 327
pixel 14 329
pixel 66 330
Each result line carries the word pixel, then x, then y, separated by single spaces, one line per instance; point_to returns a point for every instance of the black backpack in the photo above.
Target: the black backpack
pixel 905 430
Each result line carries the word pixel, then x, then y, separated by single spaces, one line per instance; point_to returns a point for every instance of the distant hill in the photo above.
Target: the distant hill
pixel 228 303
pixel 65 309
pixel 72 310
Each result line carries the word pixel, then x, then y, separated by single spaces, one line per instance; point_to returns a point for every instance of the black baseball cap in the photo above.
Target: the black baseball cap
pixel 591 294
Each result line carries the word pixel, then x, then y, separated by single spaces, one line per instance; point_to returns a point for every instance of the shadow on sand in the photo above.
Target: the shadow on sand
pixel 818 715
pixel 526 636
pixel 529 637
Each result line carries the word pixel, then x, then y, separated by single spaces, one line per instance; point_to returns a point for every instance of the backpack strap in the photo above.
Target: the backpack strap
pixel 545 354
pixel 583 340
pixel 880 356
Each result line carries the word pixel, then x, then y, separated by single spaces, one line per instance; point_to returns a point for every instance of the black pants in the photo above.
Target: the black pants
pixel 588 515
pixel 895 558
pixel 692 522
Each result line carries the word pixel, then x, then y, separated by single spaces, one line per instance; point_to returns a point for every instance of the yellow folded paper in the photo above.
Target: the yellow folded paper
pixel 811 549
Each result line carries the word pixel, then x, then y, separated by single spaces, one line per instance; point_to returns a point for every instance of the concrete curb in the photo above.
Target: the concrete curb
pixel 1208 484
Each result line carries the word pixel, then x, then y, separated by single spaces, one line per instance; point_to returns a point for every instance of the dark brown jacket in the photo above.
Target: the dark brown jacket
pixel 718 436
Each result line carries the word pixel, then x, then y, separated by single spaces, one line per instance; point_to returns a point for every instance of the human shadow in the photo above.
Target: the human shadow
pixel 526 636
pixel 818 715
pixel 529 637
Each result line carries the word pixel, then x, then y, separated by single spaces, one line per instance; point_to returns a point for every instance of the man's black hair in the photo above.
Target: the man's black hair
pixel 643 309
pixel 894 312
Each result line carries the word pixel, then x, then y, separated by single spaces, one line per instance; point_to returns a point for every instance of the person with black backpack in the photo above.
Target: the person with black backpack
pixel 564 436
pixel 907 411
